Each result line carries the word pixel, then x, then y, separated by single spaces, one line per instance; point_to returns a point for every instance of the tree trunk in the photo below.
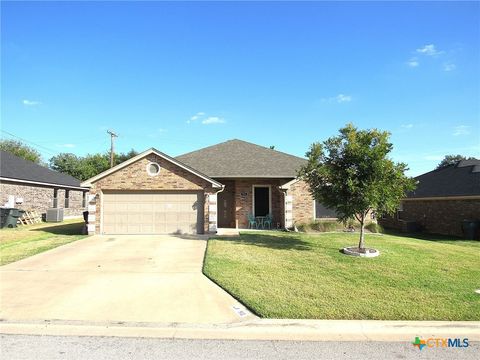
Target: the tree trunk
pixel 361 244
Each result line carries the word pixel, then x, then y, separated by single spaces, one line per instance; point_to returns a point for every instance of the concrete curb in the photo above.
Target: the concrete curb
pixel 262 329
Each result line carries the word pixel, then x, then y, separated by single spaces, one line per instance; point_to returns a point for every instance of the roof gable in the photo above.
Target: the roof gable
pixel 461 179
pixel 237 158
pixel 14 168
pixel 124 164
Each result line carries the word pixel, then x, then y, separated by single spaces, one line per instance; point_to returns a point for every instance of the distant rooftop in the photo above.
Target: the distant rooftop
pixel 460 179
pixel 14 167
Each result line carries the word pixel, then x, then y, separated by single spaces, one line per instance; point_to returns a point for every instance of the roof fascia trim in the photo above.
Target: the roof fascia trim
pixel 43 183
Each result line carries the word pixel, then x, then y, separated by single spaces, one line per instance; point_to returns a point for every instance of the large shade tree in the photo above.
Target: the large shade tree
pixel 352 174
pixel 21 150
pixel 85 167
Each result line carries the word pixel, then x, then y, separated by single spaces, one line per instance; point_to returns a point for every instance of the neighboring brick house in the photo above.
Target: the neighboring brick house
pixel 214 187
pixel 29 186
pixel 442 200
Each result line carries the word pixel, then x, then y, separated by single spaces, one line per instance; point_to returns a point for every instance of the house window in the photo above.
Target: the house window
pixel 84 199
pixel 153 169
pixel 67 199
pixel 400 212
pixel 323 212
pixel 55 198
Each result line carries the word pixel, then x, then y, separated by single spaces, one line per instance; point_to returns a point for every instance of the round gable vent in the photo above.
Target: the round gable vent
pixel 153 169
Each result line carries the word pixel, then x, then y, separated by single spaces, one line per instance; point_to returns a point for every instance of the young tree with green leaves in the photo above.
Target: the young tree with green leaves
pixel 21 150
pixel 352 174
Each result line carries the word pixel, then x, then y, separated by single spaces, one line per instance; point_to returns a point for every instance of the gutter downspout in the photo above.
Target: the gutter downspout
pixel 216 221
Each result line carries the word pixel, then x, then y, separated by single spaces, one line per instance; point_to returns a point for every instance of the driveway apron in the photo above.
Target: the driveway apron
pixel 127 278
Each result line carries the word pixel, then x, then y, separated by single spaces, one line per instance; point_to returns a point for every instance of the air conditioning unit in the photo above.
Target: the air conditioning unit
pixel 54 215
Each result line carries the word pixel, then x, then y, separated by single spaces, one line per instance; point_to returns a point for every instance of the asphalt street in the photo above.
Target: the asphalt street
pixel 19 347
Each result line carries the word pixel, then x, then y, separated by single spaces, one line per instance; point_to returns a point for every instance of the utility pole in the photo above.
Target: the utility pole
pixel 112 146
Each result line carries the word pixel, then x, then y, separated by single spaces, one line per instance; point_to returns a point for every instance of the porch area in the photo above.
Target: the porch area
pixel 251 204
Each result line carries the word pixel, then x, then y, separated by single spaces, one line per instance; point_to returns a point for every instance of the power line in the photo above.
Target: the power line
pixel 31 142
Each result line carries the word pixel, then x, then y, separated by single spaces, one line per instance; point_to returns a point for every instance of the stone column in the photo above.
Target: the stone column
pixel 212 213
pixel 92 209
pixel 288 211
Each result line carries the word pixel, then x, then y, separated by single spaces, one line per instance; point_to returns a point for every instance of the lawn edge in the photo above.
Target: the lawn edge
pixel 221 287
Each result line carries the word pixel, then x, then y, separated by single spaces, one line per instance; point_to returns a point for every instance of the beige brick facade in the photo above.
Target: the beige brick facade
pixel 135 177
pixel 302 202
pixel 436 216
pixel 173 177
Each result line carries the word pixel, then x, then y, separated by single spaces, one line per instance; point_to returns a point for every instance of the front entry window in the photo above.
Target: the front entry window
pixel 261 201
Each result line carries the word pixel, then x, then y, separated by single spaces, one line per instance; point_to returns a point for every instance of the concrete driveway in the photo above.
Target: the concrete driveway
pixel 117 278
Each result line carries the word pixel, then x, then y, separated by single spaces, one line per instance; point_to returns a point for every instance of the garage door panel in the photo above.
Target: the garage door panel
pixel 152 212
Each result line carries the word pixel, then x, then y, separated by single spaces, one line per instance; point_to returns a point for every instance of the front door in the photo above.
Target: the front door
pixel 226 209
pixel 261 200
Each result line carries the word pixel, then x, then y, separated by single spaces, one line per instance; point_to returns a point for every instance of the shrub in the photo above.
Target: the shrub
pixel 374 228
pixel 331 225
pixel 303 227
pixel 321 226
pixel 316 226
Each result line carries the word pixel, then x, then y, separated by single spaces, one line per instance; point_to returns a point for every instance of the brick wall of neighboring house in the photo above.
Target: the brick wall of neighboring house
pixel 135 177
pixel 302 202
pixel 435 216
pixel 75 202
pixel 244 201
pixel 40 198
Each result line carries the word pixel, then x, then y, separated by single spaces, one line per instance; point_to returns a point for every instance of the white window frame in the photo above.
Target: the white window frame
pixel 399 210
pixel 148 168
pixel 269 197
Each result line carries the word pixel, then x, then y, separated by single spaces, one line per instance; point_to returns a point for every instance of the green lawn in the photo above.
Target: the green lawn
pixel 28 240
pixel 293 275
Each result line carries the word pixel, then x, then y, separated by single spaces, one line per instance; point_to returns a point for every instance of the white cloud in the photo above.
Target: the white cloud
pixel 407 126
pixel 68 146
pixel 429 50
pixel 340 98
pixel 31 102
pixel 343 98
pixel 195 117
pixel 413 62
pixel 461 130
pixel 449 66
pixel 213 120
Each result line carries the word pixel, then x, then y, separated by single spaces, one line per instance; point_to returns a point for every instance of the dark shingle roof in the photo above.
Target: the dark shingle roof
pixel 14 167
pixel 461 179
pixel 237 158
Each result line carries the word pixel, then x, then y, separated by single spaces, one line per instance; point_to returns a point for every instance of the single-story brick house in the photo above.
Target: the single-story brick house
pixel 29 186
pixel 442 200
pixel 214 187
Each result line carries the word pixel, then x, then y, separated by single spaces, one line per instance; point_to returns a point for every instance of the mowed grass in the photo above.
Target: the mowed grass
pixel 292 275
pixel 27 240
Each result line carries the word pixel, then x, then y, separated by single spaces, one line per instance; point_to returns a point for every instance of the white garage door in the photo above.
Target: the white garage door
pixel 152 212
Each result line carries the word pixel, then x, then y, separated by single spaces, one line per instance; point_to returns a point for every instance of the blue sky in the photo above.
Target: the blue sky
pixel 180 76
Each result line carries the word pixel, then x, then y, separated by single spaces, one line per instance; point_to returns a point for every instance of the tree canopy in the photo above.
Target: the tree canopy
pixel 452 160
pixel 85 167
pixel 21 150
pixel 352 174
